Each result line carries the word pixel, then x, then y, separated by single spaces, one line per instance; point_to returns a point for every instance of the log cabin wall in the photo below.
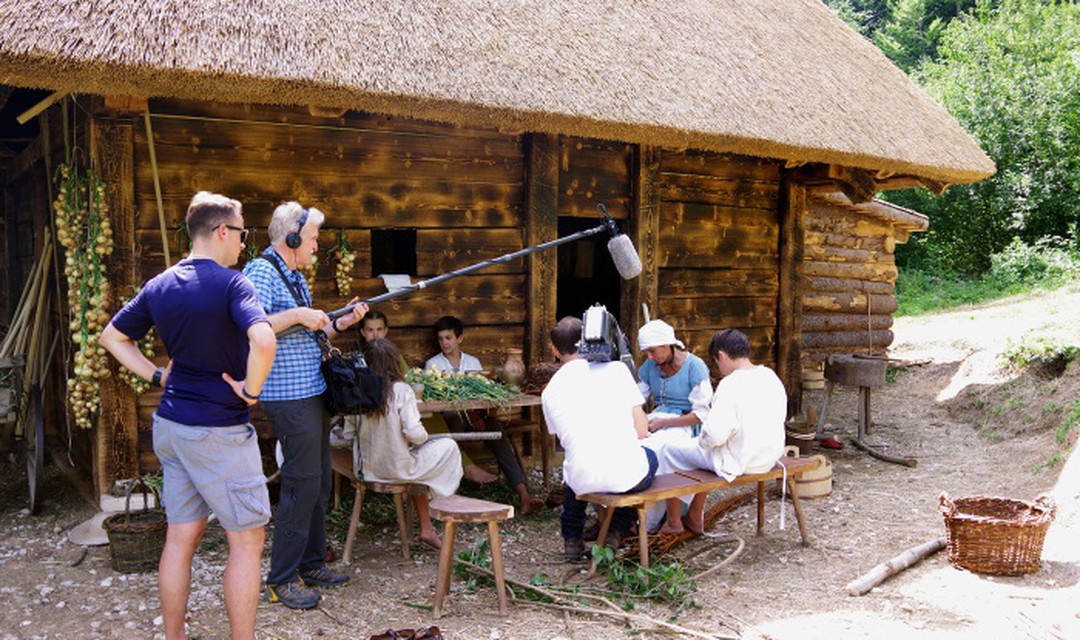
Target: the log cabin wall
pixel 850 274
pixel 462 190
pixel 718 251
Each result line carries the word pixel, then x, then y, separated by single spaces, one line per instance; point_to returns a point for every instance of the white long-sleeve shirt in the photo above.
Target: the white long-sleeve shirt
pixel 744 431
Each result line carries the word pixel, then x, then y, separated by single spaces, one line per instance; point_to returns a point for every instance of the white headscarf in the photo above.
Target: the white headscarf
pixel 657 333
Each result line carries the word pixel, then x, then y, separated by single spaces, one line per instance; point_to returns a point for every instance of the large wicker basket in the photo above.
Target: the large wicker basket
pixel 998 536
pixel 136 538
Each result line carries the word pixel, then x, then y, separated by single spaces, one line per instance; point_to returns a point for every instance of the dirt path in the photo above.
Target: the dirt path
pixel 777 589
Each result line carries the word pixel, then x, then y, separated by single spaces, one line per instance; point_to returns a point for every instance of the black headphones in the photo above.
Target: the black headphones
pixel 293 239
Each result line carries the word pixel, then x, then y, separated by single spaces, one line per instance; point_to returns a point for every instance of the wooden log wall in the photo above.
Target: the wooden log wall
pixel 718 250
pixel 463 190
pixel 850 272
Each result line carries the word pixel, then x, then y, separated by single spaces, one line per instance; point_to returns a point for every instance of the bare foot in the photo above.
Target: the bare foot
pixel 695 523
pixel 531 506
pixel 431 539
pixel 671 529
pixel 474 473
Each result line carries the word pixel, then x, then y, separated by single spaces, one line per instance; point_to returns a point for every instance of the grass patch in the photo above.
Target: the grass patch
pixel 1032 350
pixel 1019 268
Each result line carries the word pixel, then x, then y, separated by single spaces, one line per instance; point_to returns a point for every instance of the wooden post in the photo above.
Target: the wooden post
pixel 541 225
pixel 792 204
pixel 112 143
pixel 644 232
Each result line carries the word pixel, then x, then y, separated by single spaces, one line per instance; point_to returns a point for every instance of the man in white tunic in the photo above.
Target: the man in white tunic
pixel 743 433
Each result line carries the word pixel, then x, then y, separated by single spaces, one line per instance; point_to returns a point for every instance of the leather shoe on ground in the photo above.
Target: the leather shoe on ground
pixel 573 549
pixel 294 595
pixel 323 577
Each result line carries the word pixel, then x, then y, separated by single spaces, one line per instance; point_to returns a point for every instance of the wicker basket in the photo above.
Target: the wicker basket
pixel 136 538
pixel 998 536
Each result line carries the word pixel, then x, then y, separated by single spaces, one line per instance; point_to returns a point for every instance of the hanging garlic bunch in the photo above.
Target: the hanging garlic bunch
pixel 83 229
pixel 309 272
pixel 138 383
pixel 343 266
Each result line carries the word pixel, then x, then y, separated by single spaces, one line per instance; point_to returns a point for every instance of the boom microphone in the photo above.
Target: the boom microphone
pixel 622 251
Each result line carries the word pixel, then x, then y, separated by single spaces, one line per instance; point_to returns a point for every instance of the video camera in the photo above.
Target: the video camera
pixel 602 340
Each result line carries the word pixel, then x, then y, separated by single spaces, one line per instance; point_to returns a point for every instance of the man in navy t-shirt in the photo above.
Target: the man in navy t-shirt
pixel 221 349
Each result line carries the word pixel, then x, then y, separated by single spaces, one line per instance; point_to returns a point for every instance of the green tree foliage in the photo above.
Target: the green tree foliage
pixel 1009 74
pixel 864 16
pixel 911 34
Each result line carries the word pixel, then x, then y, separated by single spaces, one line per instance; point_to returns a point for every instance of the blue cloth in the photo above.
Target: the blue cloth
pixel 202 312
pixel 672 395
pixel 295 373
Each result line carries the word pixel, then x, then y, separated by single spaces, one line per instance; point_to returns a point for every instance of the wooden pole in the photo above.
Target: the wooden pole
pixel 157 189
pixel 541 225
pixel 893 566
pixel 116 443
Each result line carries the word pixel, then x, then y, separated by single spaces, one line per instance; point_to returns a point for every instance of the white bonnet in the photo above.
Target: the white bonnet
pixel 657 333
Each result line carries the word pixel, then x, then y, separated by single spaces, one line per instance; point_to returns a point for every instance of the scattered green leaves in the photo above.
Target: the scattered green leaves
pixel 662 581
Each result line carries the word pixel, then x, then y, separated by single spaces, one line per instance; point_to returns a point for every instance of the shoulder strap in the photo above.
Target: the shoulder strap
pixel 297 296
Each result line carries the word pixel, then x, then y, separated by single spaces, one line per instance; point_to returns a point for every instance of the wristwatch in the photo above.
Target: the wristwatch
pixel 333 323
pixel 155 380
pixel 244 392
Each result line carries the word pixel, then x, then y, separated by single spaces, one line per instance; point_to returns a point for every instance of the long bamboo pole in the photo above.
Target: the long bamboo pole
pixel 157 188
pixel 34 354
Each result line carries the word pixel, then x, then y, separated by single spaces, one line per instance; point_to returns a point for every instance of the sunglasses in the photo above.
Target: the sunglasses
pixel 243 232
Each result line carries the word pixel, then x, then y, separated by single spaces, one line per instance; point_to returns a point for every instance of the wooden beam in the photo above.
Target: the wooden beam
pixel 792 210
pixel 112 144
pixel 541 225
pixel 644 232
pixel 122 106
pixel 857 184
pixel 28 115
pixel 326 112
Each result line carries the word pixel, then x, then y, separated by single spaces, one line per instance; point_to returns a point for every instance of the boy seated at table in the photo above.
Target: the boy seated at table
pixel 450 332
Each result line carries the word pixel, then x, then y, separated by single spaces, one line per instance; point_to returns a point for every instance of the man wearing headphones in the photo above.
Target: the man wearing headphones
pixel 292 400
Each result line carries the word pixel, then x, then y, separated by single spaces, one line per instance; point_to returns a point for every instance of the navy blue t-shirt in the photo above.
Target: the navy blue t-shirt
pixel 202 312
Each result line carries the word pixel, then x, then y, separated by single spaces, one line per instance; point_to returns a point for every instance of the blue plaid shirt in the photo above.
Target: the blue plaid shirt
pixel 295 373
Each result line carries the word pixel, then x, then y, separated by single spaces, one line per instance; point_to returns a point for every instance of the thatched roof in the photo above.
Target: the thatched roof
pixel 773 78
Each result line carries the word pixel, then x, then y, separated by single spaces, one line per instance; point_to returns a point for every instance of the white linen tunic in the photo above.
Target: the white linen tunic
pixel 395 447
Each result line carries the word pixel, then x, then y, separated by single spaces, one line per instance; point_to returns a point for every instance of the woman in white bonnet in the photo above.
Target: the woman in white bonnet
pixel 678 383
pixel 681 391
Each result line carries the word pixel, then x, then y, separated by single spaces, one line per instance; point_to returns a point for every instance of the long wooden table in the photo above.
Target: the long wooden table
pixel 503 407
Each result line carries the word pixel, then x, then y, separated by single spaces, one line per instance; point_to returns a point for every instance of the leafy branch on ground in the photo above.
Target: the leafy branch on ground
pixel 665 582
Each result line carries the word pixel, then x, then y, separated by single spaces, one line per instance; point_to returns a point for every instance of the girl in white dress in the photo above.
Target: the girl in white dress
pixel 393 444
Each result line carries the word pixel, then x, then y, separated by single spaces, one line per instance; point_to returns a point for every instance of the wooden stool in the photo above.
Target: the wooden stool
pixel 341 462
pixel 454 509
pixel 399 492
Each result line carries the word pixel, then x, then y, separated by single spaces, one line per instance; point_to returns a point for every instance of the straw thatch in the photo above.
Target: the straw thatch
pixel 773 78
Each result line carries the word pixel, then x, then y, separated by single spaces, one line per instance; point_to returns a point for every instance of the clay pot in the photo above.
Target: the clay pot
pixel 513 370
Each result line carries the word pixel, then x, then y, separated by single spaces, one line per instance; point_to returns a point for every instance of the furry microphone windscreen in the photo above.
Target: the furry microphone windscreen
pixel 626 259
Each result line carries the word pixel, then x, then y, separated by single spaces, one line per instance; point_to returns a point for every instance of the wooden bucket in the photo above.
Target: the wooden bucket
pixel 816 483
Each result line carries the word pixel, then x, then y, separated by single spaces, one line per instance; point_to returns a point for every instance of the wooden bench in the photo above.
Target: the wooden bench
pixel 684 483
pixel 342 463
pixel 454 509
